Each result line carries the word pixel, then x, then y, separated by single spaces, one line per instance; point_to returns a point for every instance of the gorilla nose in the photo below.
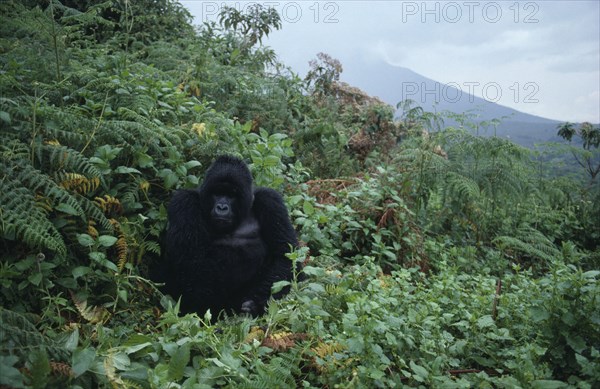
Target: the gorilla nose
pixel 222 209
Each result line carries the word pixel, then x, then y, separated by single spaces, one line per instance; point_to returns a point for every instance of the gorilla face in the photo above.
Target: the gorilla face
pixel 224 214
pixel 226 195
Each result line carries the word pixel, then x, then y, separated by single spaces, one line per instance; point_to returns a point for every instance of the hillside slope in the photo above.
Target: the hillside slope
pixel 394 84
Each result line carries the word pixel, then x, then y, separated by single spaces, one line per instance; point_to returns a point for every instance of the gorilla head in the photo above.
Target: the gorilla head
pixel 226 194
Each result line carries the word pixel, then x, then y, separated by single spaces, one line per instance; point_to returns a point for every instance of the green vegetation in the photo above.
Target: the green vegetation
pixel 435 258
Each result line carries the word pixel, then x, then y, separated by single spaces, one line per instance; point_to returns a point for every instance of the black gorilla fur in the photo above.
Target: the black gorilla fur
pixel 226 242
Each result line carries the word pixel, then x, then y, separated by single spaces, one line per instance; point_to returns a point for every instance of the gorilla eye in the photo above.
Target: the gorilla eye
pixel 230 191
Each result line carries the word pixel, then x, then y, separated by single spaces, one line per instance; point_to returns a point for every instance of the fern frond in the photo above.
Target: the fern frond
pixel 122 252
pixel 118 132
pixel 462 186
pixel 20 218
pixel 109 205
pixel 64 158
pixel 130 193
pixel 529 242
pixel 73 125
pixel 150 127
pixel 147 246
pixel 255 334
pixel 61 369
pixel 93 314
pixel 122 246
pixel 78 182
pixel 19 335
pixel 415 160
pixel 39 368
pixel 323 350
pixel 151 246
pixel 131 385
pixel 92 210
pixel 325 358
pixel 38 182
pixel 13 149
pixel 111 373
pixel 43 203
pixel 275 374
pixel 282 341
pixel 91 229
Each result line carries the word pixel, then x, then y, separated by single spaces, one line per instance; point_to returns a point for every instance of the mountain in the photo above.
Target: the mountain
pixel 393 84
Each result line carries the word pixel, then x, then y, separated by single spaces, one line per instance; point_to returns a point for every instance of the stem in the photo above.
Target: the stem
pixel 33 125
pixel 496 298
pixel 97 125
pixel 55 43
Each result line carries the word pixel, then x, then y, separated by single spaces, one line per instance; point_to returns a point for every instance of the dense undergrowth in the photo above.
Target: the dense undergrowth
pixel 435 258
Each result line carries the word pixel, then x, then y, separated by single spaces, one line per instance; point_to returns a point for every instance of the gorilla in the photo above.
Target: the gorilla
pixel 226 242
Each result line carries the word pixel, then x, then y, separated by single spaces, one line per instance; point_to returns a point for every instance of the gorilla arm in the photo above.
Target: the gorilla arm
pixel 186 245
pixel 278 234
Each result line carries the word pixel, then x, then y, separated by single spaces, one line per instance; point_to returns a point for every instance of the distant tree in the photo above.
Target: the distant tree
pixel 566 131
pixel 256 23
pixel 589 156
pixel 129 21
pixel 324 72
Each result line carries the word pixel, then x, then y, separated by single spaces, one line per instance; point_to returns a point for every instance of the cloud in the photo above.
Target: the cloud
pixel 555 44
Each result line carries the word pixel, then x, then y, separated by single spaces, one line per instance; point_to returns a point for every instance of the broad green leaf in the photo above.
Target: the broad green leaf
pixel 98 256
pixel 179 361
pixel 35 279
pixel 144 160
pixel 315 287
pixel 192 164
pixel 82 359
pixel 72 340
pixel 539 314
pixel 591 274
pixel 80 271
pixel 136 343
pixel 271 161
pixel 420 372
pixel 5 117
pixel 308 208
pixel 278 286
pixel 40 368
pixel 247 127
pixel 123 294
pixel 485 321
pixel 548 384
pixel 576 342
pixel 170 179
pixel 127 170
pixel 120 361
pixel 85 240
pixel 181 170
pixel 107 240
pixel 314 271
pixel 10 376
pixel 67 282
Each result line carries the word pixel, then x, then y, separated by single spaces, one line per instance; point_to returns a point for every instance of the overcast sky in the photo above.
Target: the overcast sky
pixel 543 55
